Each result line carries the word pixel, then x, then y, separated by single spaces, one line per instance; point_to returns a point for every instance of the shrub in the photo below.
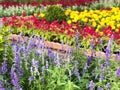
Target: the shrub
pixel 55 13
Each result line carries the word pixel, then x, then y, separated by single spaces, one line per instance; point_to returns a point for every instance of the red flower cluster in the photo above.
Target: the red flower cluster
pixel 63 28
pixel 47 2
pixel 106 32
pixel 89 31
pixel 33 22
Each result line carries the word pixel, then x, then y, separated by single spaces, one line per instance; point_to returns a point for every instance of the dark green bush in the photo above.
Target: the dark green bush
pixel 55 13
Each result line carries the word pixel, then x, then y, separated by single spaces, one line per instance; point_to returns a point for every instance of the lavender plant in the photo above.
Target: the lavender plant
pixel 36 67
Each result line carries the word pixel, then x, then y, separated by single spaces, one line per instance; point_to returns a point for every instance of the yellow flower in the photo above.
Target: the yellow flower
pixel 94 24
pixel 85 20
pixel 116 30
pixel 42 15
pixel 97 30
pixel 113 27
pixel 69 21
pixel 67 11
pixel 118 25
pixel 1 38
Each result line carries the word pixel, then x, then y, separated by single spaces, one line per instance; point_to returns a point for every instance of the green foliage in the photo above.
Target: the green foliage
pixel 55 13
pixel 4 34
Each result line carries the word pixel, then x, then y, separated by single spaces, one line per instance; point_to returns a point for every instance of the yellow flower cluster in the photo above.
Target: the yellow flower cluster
pixel 96 18
pixel 41 15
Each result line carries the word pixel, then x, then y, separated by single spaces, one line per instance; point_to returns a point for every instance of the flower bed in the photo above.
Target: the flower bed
pixel 28 63
pixel 31 67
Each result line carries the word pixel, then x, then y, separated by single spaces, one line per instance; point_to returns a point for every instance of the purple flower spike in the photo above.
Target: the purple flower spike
pixel 118 72
pixel 1 86
pixel 108 86
pixel 108 49
pixel 43 69
pixel 15 80
pixel 101 43
pixel 35 63
pixel 69 50
pixel 89 58
pixel 31 79
pixel 91 85
pixel 77 39
pixel 76 71
pixel 4 68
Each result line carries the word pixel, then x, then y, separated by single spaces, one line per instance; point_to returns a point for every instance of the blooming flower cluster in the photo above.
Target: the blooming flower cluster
pixel 96 18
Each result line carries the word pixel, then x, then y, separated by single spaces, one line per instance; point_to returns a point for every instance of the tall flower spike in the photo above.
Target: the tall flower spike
pixel 77 39
pixel 108 86
pixel 76 71
pixel 101 43
pixel 118 72
pixel 89 59
pixel 92 47
pixel 91 85
pixel 4 67
pixel 1 86
pixel 108 50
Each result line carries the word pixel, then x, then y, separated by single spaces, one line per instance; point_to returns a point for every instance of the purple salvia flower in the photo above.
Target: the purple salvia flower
pixel 17 59
pixel 49 50
pixel 37 54
pixel 1 83
pixel 34 67
pixel 15 80
pixel 101 76
pixel 89 59
pixel 77 39
pixel 12 72
pixel 58 63
pixel 62 49
pixel 76 71
pixel 35 63
pixel 31 43
pixel 108 49
pixel 92 47
pixel 50 53
pixel 4 67
pixel 17 63
pixel 118 72
pixel 108 86
pixel 31 79
pixel 69 50
pixel 117 56
pixel 1 86
pixel 9 88
pixel 99 88
pixel 101 43
pixel 85 68
pixel 43 69
pixel 91 85
pixel 20 71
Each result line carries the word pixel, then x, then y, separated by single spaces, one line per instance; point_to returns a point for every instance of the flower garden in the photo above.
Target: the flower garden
pixel 87 33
